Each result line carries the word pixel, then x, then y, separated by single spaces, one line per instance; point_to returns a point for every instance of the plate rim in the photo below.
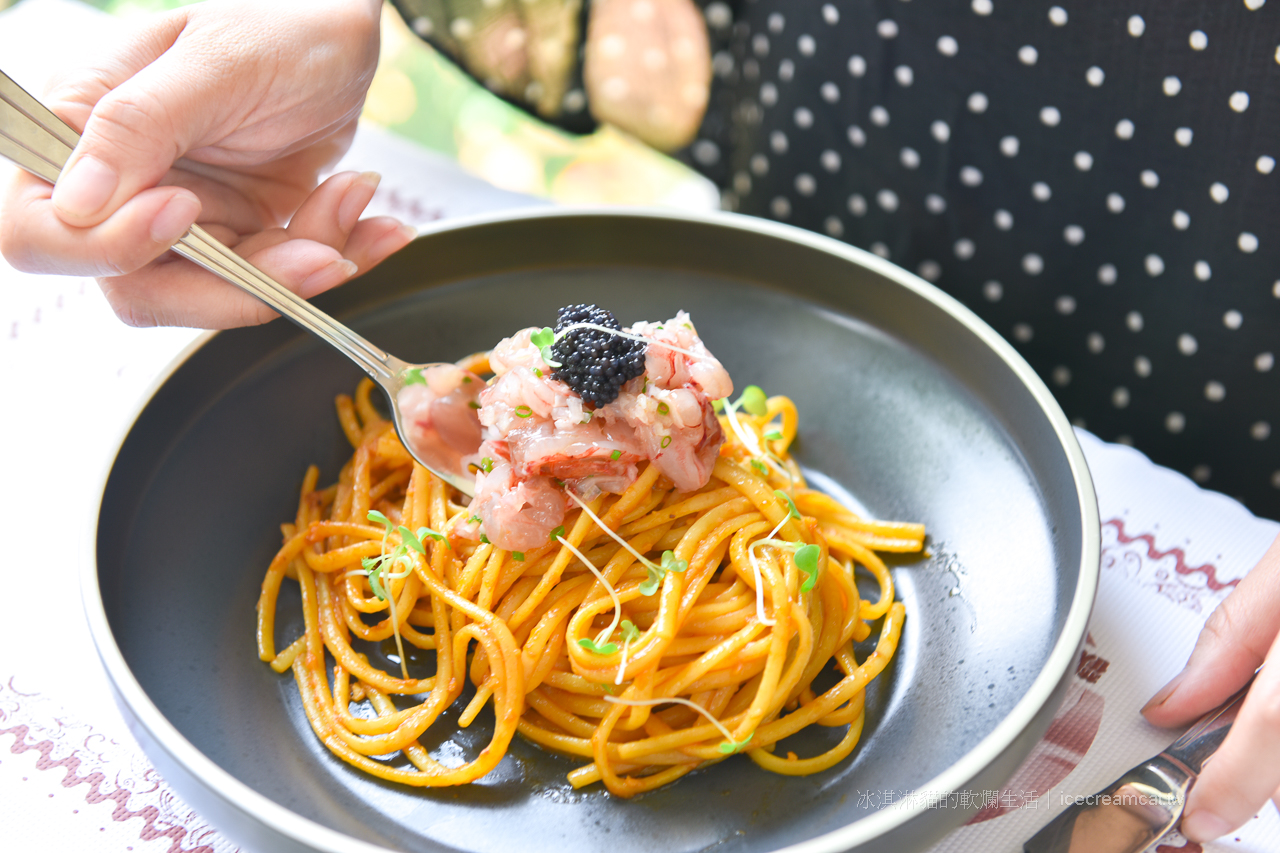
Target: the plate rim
pixel 259 807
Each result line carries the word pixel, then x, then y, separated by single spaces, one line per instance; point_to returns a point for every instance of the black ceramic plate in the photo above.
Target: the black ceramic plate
pixel 910 407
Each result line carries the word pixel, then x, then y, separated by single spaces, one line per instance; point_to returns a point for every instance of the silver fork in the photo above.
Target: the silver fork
pixel 1136 810
pixel 36 140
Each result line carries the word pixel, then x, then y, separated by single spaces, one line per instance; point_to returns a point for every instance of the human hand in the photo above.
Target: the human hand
pixel 1243 632
pixel 222 113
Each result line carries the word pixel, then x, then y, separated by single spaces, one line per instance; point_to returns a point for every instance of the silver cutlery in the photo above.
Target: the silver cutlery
pixel 36 140
pixel 1136 810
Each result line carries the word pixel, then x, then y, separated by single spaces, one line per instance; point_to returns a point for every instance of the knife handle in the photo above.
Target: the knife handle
pixel 1204 737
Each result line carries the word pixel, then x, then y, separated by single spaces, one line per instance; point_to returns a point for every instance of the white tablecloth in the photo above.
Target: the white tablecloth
pixel 71 776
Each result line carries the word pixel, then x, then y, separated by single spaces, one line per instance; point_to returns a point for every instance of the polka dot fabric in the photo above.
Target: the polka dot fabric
pixel 1096 180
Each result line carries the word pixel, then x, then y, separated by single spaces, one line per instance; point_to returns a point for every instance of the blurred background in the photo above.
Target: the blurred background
pixel 422 96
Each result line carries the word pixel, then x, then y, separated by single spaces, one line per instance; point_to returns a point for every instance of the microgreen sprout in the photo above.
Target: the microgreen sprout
pixel 657 573
pixel 753 401
pixel 393 566
pixel 761 467
pixel 630 633
pixel 596 648
pixel 413 376
pixel 806 558
pixel 773 435
pixel 732 746
pixel 600 646
pixel 573 327
pixel 543 339
pixel 791 505
pixel 644 561
pixel 728 748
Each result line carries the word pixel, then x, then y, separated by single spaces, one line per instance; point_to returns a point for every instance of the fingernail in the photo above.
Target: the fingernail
pixel 326 277
pixel 1202 826
pixel 357 199
pixel 1163 694
pixel 408 232
pixel 174 219
pixel 84 189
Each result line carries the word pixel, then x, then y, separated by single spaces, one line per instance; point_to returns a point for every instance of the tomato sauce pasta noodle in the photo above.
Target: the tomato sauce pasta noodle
pixel 653 632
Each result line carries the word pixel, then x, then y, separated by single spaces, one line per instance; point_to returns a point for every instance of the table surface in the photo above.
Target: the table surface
pixel 73 778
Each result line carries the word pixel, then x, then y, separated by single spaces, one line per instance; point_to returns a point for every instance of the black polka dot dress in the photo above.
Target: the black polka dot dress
pixel 1095 179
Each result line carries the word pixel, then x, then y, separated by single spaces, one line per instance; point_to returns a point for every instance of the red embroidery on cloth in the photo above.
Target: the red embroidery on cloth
pixel 1208 569
pixel 167 818
pixel 150 831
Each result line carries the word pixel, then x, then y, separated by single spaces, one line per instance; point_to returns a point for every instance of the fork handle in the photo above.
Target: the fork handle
pixel 37 141
pixel 1204 737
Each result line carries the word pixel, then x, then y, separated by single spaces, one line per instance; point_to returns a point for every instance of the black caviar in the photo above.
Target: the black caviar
pixel 593 363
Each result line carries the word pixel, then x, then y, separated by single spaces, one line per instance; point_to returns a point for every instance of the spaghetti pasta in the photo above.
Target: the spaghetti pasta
pixel 655 632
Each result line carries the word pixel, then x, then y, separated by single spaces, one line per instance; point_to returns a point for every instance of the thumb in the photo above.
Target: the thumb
pixel 143 108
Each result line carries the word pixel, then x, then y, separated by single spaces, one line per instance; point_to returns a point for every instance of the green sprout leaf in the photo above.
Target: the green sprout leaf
pixel 557 533
pixel 806 558
pixel 729 747
pixel 773 435
pixel 753 400
pixel 759 466
pixel 650 586
pixel 671 564
pixel 413 376
pixel 791 505
pixel 630 633
pixel 410 538
pixel 657 573
pixel 594 648
pixel 427 531
pixel 379 518
pixel 543 340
